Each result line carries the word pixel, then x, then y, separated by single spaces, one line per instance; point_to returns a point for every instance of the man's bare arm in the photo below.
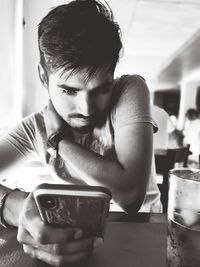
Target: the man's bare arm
pixel 10 158
pixel 128 176
pixel 62 245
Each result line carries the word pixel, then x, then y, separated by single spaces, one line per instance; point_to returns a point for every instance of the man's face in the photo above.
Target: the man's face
pixel 79 101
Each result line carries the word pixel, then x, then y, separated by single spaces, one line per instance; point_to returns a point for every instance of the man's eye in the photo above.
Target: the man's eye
pixel 69 91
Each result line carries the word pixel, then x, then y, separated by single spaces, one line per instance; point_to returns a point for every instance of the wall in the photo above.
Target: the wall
pixel 7 9
pixel 35 96
pixel 188 99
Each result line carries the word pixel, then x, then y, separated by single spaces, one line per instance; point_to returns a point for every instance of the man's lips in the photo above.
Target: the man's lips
pixel 85 119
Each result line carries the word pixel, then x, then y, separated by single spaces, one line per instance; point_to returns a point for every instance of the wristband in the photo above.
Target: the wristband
pixel 53 141
pixel 2 204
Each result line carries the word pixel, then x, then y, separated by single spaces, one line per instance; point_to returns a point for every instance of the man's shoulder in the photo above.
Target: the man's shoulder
pixel 129 87
pixel 130 102
pixel 34 116
pixel 34 120
pixel 128 79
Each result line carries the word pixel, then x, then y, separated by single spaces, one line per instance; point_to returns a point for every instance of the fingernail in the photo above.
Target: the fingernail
pixel 78 234
pixel 98 241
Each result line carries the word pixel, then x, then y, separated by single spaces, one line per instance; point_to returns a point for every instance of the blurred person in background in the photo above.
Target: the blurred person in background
pixel 192 135
pixel 95 130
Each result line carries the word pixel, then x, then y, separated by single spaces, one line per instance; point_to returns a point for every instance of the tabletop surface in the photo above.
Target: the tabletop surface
pixel 138 241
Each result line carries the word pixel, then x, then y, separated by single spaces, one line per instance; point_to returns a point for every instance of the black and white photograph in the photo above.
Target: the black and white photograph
pixel 100 133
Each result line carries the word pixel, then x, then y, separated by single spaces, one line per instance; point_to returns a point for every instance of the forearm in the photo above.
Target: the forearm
pixel 91 167
pixel 12 206
pixel 95 169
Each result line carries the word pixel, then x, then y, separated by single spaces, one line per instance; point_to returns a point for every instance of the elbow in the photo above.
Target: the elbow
pixel 130 202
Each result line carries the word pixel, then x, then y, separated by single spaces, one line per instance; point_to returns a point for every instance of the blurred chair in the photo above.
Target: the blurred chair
pixel 166 160
pixel 182 156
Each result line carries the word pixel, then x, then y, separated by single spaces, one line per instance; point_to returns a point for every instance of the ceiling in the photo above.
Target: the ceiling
pixel 155 33
pixel 184 65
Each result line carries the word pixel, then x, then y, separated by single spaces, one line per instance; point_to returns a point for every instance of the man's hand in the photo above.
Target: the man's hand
pixel 53 122
pixel 57 246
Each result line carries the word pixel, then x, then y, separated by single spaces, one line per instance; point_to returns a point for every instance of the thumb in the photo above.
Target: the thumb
pixel 53 122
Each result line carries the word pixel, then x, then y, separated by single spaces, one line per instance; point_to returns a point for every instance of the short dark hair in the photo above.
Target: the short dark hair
pixel 79 35
pixel 192 114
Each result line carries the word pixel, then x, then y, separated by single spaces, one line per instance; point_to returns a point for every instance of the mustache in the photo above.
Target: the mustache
pixel 81 116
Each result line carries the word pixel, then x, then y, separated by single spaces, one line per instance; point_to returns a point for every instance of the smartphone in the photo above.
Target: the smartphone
pixel 81 206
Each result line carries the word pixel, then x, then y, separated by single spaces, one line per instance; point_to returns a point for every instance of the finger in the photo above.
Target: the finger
pixel 44 234
pixel 24 237
pixel 74 247
pixel 53 122
pixel 41 232
pixel 55 260
pixel 84 245
pixel 50 105
pixel 51 111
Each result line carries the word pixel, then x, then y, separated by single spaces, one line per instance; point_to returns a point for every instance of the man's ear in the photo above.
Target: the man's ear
pixel 43 76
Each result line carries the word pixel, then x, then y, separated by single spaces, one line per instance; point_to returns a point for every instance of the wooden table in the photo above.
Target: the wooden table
pixel 130 241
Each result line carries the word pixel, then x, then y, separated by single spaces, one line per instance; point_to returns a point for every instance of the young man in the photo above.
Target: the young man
pixel 96 130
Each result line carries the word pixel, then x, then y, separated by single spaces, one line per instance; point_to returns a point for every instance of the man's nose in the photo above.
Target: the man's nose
pixel 86 105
